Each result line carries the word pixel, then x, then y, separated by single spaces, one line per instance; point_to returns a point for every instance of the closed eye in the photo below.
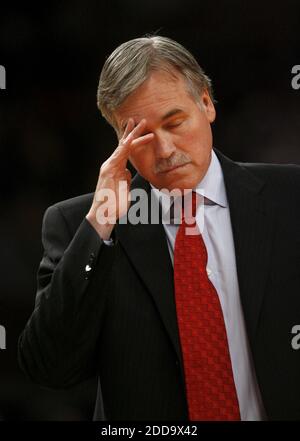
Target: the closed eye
pixel 174 124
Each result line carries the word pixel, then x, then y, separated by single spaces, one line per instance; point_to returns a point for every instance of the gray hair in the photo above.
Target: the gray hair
pixel 130 64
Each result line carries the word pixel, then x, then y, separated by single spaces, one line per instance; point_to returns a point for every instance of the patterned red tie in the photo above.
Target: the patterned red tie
pixel 210 388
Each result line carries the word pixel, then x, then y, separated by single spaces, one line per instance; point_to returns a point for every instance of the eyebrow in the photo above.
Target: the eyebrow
pixel 164 117
pixel 171 113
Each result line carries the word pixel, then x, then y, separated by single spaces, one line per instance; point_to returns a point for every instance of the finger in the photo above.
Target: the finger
pixel 122 153
pixel 137 131
pixel 129 127
pixel 141 140
pixel 123 150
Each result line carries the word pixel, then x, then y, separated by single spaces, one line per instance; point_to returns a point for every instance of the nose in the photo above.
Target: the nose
pixel 164 146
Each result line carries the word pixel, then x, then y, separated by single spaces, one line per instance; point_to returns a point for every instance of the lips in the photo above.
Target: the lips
pixel 174 168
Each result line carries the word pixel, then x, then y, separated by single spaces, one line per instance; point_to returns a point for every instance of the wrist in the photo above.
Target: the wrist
pixel 103 230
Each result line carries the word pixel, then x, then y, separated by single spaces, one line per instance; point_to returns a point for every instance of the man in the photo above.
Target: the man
pixel 176 327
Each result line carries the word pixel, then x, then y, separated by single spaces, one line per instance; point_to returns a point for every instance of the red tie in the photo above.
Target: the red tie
pixel 210 388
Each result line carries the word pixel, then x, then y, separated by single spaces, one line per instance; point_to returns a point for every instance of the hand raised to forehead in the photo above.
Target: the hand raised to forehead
pixel 131 138
pixel 112 172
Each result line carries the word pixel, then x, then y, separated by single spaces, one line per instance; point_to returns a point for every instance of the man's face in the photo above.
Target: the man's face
pixel 179 153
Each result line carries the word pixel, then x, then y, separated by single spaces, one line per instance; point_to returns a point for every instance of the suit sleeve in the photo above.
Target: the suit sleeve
pixel 58 347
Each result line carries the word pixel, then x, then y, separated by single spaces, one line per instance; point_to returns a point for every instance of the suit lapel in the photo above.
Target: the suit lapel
pixel 146 247
pixel 252 225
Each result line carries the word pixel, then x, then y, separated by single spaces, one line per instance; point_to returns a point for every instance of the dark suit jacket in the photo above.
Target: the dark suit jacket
pixel 118 320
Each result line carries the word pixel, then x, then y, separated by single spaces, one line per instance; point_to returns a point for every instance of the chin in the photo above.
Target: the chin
pixel 181 184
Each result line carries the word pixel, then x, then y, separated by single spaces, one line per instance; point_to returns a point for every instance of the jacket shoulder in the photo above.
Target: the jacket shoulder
pixel 277 174
pixel 73 210
pixel 268 168
pixel 75 203
pixel 282 183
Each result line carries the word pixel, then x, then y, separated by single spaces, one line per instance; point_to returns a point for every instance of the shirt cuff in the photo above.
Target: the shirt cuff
pixel 109 242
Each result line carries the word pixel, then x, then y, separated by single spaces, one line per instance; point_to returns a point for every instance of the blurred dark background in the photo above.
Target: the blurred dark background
pixel 53 139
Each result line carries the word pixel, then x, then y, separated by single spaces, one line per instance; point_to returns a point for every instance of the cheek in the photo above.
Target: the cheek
pixel 142 158
pixel 188 141
pixel 195 138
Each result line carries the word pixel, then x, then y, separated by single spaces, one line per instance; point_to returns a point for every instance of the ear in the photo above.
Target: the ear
pixel 208 106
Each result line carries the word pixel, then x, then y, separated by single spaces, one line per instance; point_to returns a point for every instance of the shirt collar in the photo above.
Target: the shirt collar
pixel 212 187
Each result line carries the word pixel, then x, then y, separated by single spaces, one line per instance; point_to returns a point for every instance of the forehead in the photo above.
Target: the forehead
pixel 159 94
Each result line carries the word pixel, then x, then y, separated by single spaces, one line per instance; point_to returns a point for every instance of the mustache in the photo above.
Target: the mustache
pixel 173 161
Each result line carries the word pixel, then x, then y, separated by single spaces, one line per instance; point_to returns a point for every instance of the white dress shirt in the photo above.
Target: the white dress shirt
pixel 213 220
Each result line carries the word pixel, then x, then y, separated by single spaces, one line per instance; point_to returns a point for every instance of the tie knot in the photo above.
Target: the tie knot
pixel 190 204
pixel 185 208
